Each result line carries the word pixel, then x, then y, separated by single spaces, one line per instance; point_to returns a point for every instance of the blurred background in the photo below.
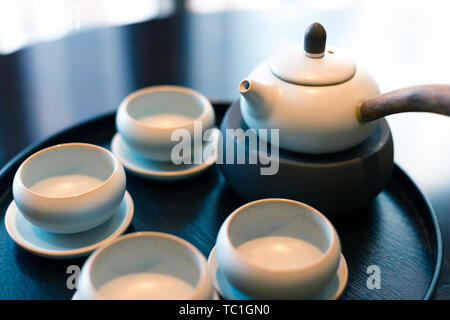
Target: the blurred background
pixel 66 61
pixel 108 48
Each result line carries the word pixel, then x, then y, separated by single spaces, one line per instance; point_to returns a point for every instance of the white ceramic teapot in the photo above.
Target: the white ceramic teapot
pixel 321 101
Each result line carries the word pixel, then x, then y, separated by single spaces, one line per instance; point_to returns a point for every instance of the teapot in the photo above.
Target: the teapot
pixel 321 101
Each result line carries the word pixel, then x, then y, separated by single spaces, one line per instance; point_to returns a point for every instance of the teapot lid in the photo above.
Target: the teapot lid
pixel 313 65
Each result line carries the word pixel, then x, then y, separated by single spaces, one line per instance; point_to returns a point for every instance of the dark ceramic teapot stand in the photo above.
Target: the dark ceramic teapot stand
pixel 398 231
pixel 332 183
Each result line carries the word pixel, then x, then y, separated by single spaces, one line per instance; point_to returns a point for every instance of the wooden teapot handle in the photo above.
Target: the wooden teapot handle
pixel 427 98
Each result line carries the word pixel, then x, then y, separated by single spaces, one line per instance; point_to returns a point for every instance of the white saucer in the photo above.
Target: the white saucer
pixel 76 296
pixel 332 291
pixel 65 246
pixel 157 170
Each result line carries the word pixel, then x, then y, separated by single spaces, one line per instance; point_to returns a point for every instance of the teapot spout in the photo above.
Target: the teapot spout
pixel 258 97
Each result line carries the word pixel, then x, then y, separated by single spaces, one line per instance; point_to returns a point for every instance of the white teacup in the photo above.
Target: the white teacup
pixel 69 188
pixel 144 266
pixel 278 249
pixel 147 118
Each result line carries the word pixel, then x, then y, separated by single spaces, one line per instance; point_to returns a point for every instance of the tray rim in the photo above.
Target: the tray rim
pixel 404 178
pixel 398 172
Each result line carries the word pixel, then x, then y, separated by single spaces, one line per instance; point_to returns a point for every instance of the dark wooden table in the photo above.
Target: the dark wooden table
pixel 50 86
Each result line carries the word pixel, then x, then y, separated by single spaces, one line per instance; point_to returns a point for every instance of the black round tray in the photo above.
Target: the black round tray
pixel 398 231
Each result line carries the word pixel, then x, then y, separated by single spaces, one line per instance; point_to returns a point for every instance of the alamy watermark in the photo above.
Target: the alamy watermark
pixel 74 15
pixel 374 279
pixel 196 149
pixel 72 280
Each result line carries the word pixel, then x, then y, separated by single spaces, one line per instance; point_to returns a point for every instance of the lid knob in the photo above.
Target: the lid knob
pixel 315 40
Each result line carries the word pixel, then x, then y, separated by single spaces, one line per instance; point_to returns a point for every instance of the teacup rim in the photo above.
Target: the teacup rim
pixel 204 273
pixel 64 145
pixel 206 105
pixel 334 241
